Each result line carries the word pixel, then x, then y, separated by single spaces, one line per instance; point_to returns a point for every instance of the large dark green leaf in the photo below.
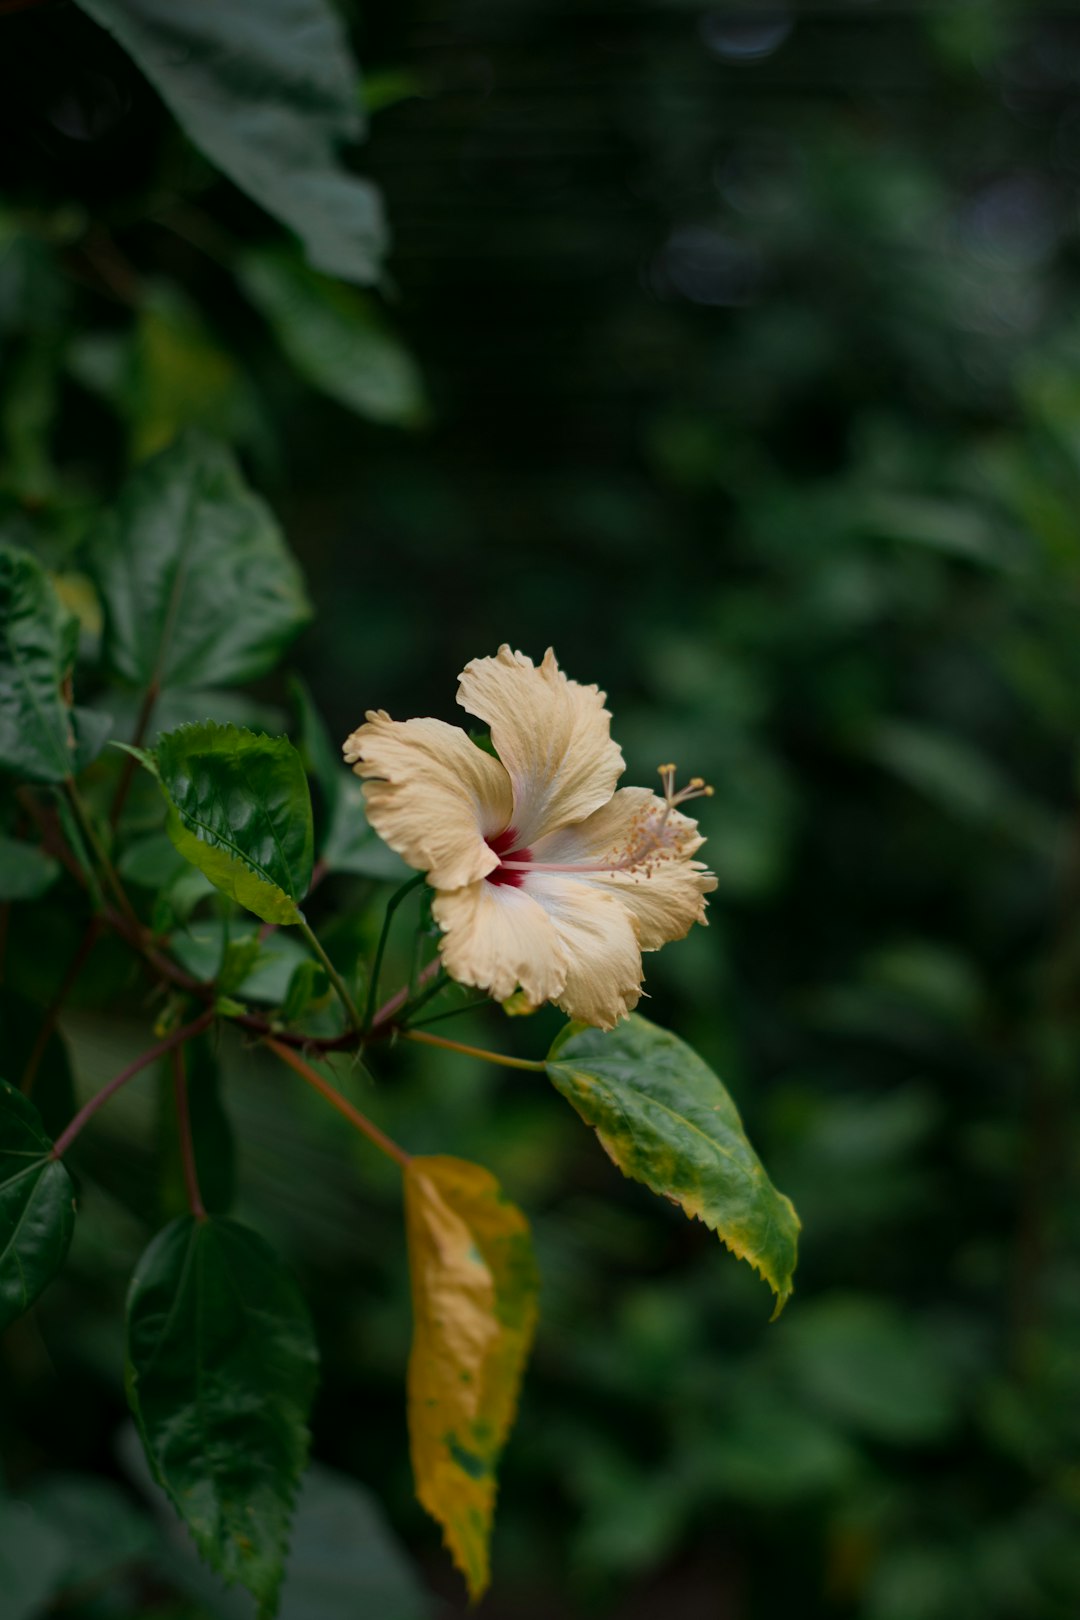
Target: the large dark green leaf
pixel 336 338
pixel 37 1206
pixel 239 810
pixel 268 90
pixel 198 586
pixel 221 1373
pixel 37 650
pixel 665 1119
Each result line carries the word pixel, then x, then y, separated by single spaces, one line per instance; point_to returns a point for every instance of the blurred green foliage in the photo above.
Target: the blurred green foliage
pixel 751 381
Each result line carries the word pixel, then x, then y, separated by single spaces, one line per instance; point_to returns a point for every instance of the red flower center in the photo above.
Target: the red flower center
pixel 502 845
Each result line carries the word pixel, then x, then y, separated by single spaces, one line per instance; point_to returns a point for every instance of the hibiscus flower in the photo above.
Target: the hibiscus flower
pixel 546 877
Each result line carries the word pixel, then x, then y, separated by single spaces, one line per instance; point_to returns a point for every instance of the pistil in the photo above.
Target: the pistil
pixel 654 842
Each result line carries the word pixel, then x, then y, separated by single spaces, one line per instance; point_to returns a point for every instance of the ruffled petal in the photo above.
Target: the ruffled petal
pixel 553 736
pixel 666 890
pixel 496 937
pixel 603 979
pixel 432 795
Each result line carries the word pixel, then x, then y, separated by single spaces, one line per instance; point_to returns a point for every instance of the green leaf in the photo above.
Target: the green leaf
pixel 37 1206
pixel 221 1371
pixel 197 584
pixel 201 950
pixel 350 844
pixel 336 338
pixel 267 90
pixel 474 1288
pixel 239 810
pixel 666 1120
pixel 26 872
pixel 37 650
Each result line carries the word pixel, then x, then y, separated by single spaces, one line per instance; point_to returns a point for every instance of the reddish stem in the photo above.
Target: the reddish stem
pixel 177 1038
pixel 472 1051
pixel 400 997
pixel 336 1100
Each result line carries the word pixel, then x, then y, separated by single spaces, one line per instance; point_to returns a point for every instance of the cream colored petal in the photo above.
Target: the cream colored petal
pixel 553 736
pixel 665 890
pixel 432 795
pixel 603 980
pixel 496 937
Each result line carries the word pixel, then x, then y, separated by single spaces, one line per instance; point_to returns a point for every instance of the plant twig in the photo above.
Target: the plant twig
pixel 89 1109
pixel 472 1051
pixel 452 1012
pixel 358 1120
pixel 89 832
pixel 127 774
pixel 187 1144
pixel 380 950
pixel 400 997
pixel 332 973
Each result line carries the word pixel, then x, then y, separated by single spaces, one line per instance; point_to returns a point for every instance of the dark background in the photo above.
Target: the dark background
pixel 752 364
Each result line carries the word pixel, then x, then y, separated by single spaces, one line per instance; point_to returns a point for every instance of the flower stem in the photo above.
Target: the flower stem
pixel 89 832
pixel 331 973
pixel 472 1051
pixel 414 1005
pixel 400 997
pixel 452 1012
pixel 358 1120
pixel 177 1038
pixel 187 1145
pixel 380 950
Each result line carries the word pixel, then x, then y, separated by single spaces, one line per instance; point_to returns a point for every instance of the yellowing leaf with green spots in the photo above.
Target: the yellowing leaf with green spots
pixel 474 1288
pixel 665 1119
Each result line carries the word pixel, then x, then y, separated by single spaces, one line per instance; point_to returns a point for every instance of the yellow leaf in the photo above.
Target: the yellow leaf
pixel 474 1289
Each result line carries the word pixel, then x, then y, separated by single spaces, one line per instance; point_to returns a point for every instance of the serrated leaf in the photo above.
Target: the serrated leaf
pixel 665 1119
pixel 474 1288
pixel 198 586
pixel 239 810
pixel 37 650
pixel 221 1373
pixel 37 1206
pixel 336 338
pixel 267 90
pixel 26 872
